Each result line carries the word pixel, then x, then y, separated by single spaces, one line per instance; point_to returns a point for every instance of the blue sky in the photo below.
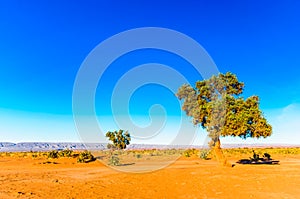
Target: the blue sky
pixel 43 44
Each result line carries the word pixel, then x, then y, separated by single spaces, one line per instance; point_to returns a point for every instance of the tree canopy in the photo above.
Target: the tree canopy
pixel 120 139
pixel 217 105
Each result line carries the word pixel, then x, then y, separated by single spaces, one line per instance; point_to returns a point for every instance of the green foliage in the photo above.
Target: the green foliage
pixel 114 160
pixel 53 154
pixel 217 106
pixel 65 153
pixel 138 156
pixel 120 139
pixel 249 151
pixel 190 152
pixel 85 157
pixel 154 153
pixel 186 154
pixel 56 154
pixel 204 154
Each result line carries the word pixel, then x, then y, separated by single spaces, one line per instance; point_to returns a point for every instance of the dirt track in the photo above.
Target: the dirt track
pixel 186 178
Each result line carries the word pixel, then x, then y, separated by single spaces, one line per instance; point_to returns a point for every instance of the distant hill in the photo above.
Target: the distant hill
pixel 47 146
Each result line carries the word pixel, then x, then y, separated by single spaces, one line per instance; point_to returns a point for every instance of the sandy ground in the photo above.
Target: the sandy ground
pixel 185 178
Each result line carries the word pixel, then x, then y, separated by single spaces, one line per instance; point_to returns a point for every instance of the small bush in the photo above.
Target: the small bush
pixel 204 154
pixel 186 154
pixel 171 151
pixel 85 157
pixel 34 155
pixel 190 152
pixel 267 156
pixel 53 154
pixel 66 153
pixel 255 157
pixel 138 156
pixel 114 160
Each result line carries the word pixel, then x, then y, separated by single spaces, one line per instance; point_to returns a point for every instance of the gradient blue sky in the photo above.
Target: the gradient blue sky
pixel 43 43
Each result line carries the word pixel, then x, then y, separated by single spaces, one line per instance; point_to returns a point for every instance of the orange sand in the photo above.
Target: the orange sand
pixel 186 178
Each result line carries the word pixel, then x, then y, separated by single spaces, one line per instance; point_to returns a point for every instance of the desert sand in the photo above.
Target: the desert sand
pixel 185 178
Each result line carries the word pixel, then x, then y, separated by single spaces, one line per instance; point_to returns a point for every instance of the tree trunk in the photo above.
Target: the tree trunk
pixel 219 154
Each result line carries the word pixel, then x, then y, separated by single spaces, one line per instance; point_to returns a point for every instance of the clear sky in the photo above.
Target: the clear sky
pixel 43 44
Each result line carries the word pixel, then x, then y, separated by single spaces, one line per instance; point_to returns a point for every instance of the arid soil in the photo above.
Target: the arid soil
pixel 185 178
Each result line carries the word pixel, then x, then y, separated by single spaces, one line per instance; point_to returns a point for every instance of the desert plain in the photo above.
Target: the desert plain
pixel 187 177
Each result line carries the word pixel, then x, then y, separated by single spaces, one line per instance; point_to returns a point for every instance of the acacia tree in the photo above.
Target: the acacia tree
pixel 120 139
pixel 216 105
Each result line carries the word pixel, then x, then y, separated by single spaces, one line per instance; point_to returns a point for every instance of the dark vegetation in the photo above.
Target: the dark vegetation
pixel 120 139
pixel 216 105
pixel 255 159
pixel 249 155
pixel 85 157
